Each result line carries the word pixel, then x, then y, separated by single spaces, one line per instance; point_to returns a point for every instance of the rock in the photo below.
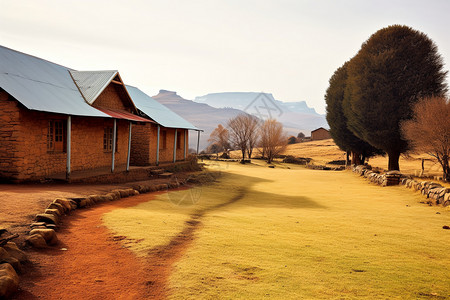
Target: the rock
pixel 62 210
pixel 64 202
pixel 116 193
pixel 48 234
pixel 73 204
pixel 38 224
pixel 36 241
pixel 9 281
pixel 47 218
pixel 15 252
pixel 52 211
pixel 3 230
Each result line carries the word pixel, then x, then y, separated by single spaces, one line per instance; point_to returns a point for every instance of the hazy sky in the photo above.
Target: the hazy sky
pixel 284 47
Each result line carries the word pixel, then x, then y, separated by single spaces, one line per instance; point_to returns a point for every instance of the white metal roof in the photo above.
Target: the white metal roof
pixel 156 111
pixel 92 83
pixel 42 85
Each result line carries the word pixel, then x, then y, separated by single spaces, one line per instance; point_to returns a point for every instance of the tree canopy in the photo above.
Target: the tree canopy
pixel 342 136
pixel 394 68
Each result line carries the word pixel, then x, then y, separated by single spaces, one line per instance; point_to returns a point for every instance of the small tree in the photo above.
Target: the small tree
pixel 292 140
pixel 220 137
pixel 429 130
pixel 273 139
pixel 301 135
pixel 242 130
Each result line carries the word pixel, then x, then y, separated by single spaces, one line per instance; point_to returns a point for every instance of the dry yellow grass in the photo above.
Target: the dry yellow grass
pixel 299 234
pixel 325 151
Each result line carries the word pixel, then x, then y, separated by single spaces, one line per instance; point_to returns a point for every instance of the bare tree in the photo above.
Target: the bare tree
pixel 243 133
pixel 253 124
pixel 273 139
pixel 220 137
pixel 429 130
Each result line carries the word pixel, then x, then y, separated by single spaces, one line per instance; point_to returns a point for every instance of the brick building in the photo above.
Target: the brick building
pixel 164 141
pixel 320 134
pixel 55 120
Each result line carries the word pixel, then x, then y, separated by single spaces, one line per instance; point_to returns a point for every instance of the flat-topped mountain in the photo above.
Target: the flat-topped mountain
pixel 206 112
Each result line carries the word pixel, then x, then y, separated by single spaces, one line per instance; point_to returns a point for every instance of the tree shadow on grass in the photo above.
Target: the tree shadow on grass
pixel 259 199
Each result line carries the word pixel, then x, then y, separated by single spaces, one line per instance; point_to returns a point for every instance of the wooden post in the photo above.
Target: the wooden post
pixel 157 146
pixel 198 140
pixel 69 131
pixel 114 145
pixel 175 147
pixel 185 131
pixel 129 148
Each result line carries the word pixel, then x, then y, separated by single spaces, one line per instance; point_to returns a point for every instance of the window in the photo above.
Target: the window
pixel 108 139
pixel 56 136
pixel 163 140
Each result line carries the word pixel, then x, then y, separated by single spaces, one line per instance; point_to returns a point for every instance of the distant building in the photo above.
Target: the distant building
pixel 320 134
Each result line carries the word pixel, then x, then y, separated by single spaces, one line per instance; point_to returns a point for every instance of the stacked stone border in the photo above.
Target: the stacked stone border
pixel 435 192
pixel 42 232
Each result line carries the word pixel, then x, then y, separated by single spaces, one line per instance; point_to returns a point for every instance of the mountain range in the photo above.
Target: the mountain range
pixel 207 111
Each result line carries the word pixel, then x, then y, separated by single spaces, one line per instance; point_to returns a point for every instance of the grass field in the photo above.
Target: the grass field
pixel 297 234
pixel 324 151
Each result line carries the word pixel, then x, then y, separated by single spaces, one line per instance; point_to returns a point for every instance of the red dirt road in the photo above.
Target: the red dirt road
pixel 94 266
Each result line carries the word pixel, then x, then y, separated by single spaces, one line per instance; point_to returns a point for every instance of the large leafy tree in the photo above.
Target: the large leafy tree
pixel 342 136
pixel 394 68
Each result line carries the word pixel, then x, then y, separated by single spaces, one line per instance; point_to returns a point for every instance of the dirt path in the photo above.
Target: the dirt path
pixel 96 265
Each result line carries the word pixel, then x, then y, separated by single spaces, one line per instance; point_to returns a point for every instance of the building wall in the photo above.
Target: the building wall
pixel 144 144
pixel 320 134
pixel 23 143
pixel 111 97
pixel 9 134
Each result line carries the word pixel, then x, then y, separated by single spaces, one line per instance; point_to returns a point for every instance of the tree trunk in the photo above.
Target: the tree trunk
pixel 356 158
pixel 394 156
pixel 243 155
pixel 446 169
pixel 347 162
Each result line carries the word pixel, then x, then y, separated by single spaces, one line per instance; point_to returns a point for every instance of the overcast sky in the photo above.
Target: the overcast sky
pixel 284 47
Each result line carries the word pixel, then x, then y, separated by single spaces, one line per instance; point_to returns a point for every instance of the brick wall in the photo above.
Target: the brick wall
pixel 320 134
pixel 112 97
pixel 9 134
pixel 140 144
pixel 23 143
pixel 144 144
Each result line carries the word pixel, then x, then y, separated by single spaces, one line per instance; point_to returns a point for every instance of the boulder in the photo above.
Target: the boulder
pixel 48 234
pixel 47 218
pixel 2 231
pixel 117 193
pixel 9 281
pixel 5 257
pixel 36 241
pixel 52 211
pixel 15 252
pixel 64 202
pixel 62 210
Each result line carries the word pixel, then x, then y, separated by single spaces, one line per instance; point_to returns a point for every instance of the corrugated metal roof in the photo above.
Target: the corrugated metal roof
pixel 156 111
pixel 92 83
pixel 124 115
pixel 42 85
